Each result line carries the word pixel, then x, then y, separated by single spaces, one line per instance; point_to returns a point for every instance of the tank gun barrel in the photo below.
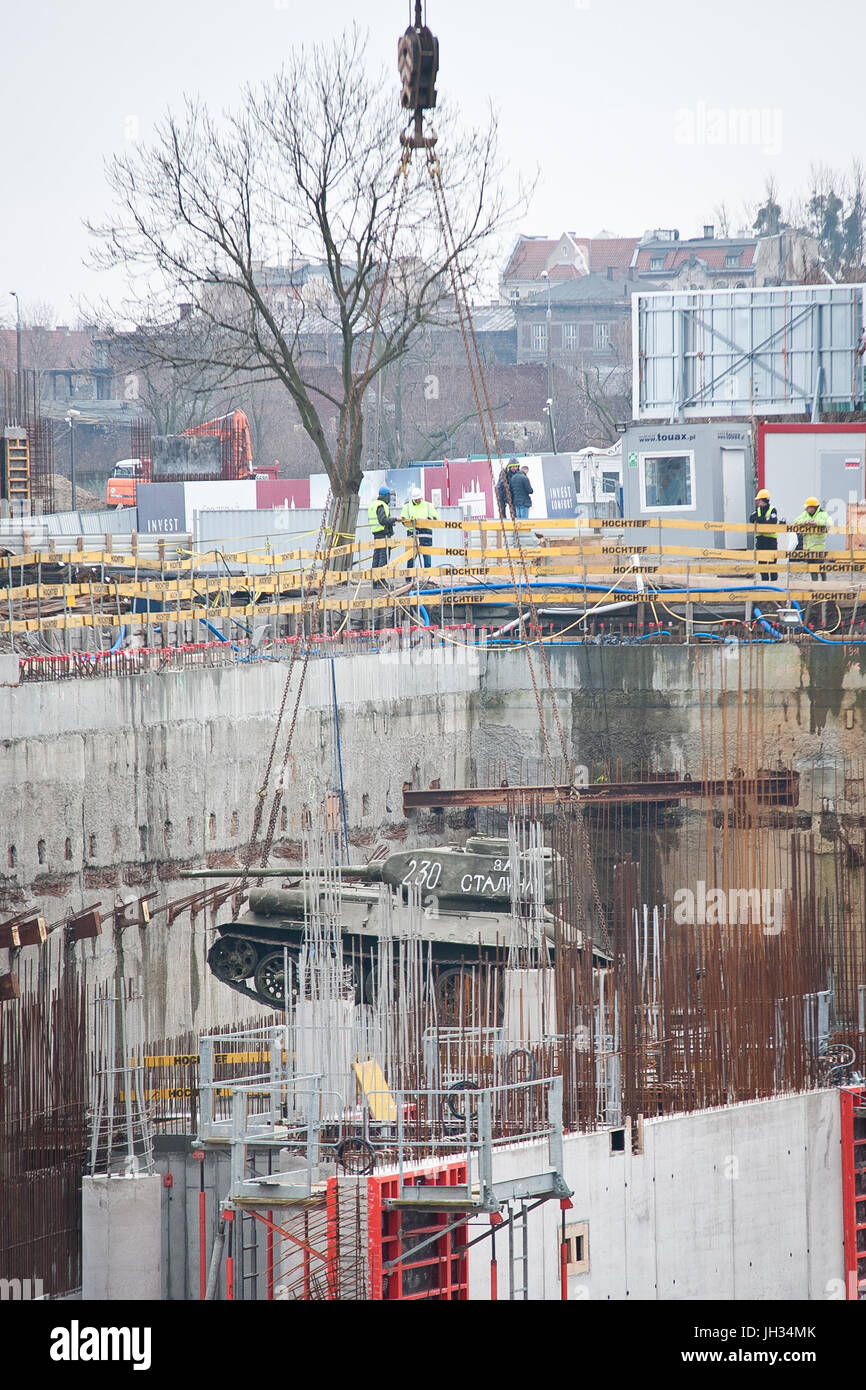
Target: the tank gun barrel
pixel 369 873
pixel 232 873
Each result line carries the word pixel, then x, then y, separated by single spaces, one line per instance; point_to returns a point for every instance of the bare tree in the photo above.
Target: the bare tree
pixel 166 369
pixel 768 217
pixel 723 218
pixel 39 314
pixel 304 174
pixel 602 387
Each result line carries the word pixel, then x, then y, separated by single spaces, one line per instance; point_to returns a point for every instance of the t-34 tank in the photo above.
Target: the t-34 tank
pixel 466 899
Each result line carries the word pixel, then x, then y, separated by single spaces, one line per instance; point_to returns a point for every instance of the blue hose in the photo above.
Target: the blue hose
pixel 603 588
pixel 210 627
pixel 767 626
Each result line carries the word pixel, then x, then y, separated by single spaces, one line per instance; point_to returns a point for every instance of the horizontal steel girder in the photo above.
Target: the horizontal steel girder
pixel 768 788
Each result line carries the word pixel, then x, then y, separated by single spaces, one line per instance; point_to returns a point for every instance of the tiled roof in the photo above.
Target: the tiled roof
pixel 529 258
pixel 531 255
pixel 713 253
pixel 611 251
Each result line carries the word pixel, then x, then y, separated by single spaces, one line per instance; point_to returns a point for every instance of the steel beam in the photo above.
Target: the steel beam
pixel 768 788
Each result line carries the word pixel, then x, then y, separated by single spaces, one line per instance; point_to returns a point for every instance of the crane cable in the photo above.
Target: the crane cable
pixel 470 343
pixel 327 533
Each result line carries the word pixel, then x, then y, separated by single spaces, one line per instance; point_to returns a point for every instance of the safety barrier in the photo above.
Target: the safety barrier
pixel 564 560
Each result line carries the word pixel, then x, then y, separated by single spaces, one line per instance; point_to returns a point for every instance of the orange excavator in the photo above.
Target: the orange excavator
pixel 236 460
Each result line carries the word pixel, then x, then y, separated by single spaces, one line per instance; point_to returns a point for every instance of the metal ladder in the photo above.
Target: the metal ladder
pixel 248 1254
pixel 518 1259
pixel 15 470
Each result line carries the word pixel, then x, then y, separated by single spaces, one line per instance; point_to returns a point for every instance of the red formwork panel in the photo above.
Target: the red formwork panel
pixel 440 1271
pixel 853 1098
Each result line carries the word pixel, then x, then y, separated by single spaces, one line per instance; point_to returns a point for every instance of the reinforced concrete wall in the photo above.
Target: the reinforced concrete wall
pixel 109 787
pixel 121 1238
pixel 743 1203
pixel 737 1204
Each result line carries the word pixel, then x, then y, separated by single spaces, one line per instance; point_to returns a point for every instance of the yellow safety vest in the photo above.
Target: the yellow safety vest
pixel 419 511
pixel 814 540
pixel 373 518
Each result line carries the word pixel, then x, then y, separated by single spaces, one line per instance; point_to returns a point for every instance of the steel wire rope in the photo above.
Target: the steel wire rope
pixel 462 304
pixel 329 514
pixel 332 509
pixel 437 176
pixel 465 321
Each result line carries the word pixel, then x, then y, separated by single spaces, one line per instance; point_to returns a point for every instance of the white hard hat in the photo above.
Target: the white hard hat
pixel 416 494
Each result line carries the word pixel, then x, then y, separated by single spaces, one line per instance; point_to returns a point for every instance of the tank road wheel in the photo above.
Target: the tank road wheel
pixel 371 984
pixel 270 979
pixel 232 959
pixel 455 991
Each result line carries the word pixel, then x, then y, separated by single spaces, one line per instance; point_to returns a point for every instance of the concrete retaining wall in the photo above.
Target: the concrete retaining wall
pixel 121 1238
pixel 743 1203
pixel 740 1204
pixel 109 787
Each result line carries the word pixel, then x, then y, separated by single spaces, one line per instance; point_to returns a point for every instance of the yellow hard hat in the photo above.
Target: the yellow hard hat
pixel 811 502
pixel 763 495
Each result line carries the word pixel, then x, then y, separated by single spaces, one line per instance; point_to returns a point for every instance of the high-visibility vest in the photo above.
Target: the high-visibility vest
pixel 813 540
pixel 419 511
pixel 373 518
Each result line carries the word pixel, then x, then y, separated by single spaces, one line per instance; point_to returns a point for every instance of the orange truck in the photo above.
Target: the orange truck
pixel 235 460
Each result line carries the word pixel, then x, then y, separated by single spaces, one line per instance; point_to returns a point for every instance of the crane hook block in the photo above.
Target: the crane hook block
pixel 418 66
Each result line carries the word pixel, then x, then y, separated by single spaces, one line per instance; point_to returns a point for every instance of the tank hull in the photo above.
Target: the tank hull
pixel 453 939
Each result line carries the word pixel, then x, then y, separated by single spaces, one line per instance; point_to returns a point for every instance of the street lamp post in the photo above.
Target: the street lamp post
pixel 71 417
pixel 18 378
pixel 549 407
pixel 548 410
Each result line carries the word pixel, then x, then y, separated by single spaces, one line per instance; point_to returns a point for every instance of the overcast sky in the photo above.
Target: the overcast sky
pixel 627 107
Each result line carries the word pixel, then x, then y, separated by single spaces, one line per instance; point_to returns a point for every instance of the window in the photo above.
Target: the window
pixel 657 262
pixel 667 482
pixel 610 483
pixel 570 337
pixel 539 337
pixel 578 481
pixel 577 1243
pixel 601 337
pixel 514 296
pixel 732 258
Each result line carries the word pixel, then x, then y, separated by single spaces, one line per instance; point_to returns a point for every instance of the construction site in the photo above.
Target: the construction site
pixel 470 914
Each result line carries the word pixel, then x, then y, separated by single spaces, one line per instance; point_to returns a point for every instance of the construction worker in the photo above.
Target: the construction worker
pixel 416 510
pixel 514 490
pixel 765 515
pixel 811 526
pixel 382 527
